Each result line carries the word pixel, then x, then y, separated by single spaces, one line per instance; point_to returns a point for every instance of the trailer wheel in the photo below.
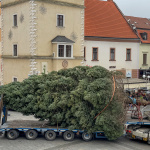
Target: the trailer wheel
pixel 86 136
pixel 50 135
pixel 12 134
pixel 68 136
pixel 31 134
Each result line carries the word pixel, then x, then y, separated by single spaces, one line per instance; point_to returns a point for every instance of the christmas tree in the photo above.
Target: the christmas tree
pixel 76 98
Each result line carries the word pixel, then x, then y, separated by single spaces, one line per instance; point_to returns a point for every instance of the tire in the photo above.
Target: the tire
pixel 68 136
pixel 50 135
pixel 12 134
pixel 31 134
pixel 87 137
pixel 129 137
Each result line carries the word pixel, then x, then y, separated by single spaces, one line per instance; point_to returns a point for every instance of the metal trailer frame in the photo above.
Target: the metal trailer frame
pixel 57 131
pixel 138 123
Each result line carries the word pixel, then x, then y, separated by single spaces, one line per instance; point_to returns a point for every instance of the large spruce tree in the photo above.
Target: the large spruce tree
pixel 71 98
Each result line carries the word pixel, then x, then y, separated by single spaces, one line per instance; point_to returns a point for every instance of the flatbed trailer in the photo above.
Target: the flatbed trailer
pixel 31 129
pixel 138 130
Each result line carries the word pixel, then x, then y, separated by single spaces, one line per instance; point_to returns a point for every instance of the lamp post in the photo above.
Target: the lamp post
pixel 147 77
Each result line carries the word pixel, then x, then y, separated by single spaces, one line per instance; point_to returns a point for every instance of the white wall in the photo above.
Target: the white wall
pixel 120 54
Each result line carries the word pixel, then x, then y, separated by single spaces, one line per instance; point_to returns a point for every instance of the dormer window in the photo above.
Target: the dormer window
pixel 144 35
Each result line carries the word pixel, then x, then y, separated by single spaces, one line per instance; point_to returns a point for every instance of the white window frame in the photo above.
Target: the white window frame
pixel 13 50
pixel 65 50
pixel 13 79
pixel 63 21
pixel 13 20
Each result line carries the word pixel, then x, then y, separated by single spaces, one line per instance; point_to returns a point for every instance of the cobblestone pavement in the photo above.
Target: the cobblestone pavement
pixel 59 144
pixel 12 115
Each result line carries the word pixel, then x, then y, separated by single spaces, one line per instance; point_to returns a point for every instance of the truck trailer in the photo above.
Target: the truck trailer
pixel 31 130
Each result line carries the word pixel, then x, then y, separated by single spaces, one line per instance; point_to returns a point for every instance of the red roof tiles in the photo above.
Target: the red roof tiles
pixel 139 22
pixel 142 25
pixel 104 19
pixel 148 35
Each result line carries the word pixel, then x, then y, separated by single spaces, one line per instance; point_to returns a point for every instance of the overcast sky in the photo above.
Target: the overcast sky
pixel 137 8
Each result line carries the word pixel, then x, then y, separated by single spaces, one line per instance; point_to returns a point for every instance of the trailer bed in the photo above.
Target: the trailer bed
pixel 27 124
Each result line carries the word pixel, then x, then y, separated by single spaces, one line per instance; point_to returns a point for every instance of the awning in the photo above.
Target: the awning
pixel 61 39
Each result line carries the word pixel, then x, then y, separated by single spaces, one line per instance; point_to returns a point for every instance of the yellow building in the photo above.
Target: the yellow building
pixel 142 28
pixel 0 50
pixel 41 36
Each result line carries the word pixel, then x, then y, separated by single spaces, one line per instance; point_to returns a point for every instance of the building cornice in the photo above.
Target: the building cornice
pixel 46 1
pixel 13 3
pixel 26 57
pixel 112 39
pixel 40 57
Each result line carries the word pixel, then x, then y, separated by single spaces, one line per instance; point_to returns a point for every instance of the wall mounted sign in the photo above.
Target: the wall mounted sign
pixel 112 66
pixel 128 74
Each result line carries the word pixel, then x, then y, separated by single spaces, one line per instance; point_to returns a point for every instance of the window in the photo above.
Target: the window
pixel 15 50
pixel 112 54
pixel 95 53
pixel 128 54
pixel 61 51
pixel 144 35
pixel 60 20
pixel 144 59
pixel 65 51
pixel 15 20
pixel 68 50
pixel 84 53
pixel 15 79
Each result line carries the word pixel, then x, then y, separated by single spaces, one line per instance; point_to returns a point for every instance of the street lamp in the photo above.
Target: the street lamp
pixel 147 77
pixel 144 76
pixel 148 80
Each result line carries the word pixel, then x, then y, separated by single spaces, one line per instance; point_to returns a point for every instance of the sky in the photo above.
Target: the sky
pixel 137 8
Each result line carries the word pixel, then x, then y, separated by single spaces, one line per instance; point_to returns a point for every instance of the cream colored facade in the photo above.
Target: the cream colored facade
pixel 144 49
pixel 33 35
pixel 0 49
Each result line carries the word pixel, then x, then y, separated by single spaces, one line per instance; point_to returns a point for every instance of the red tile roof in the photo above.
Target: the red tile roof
pixel 148 35
pixel 104 19
pixel 143 23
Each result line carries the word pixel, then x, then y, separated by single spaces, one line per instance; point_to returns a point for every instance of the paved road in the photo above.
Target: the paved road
pixel 59 144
